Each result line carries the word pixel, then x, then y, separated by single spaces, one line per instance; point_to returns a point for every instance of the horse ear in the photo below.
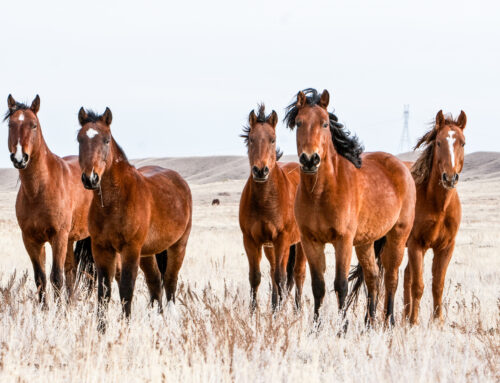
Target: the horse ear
pixel 439 119
pixel 273 119
pixel 107 116
pixel 324 99
pixel 301 100
pixel 82 116
pixel 252 118
pixel 462 120
pixel 11 103
pixel 35 105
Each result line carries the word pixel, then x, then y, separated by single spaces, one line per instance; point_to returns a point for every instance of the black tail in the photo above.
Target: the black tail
pixel 84 261
pixel 356 276
pixel 289 266
pixel 161 260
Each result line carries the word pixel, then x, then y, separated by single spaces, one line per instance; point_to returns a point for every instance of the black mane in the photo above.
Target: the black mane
pixel 91 116
pixel 346 145
pixel 262 118
pixel 11 111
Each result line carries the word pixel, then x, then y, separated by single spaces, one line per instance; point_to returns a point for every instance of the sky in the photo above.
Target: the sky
pixel 181 77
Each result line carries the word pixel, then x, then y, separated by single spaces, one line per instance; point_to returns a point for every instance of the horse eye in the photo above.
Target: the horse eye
pixel 34 126
pixel 273 141
pixel 439 143
pixel 251 140
pixel 298 123
pixel 106 141
pixel 325 125
pixel 463 144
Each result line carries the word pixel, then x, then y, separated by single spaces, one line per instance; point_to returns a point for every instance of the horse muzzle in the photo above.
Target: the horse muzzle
pixel 449 181
pixel 260 175
pixel 309 164
pixel 91 182
pixel 20 163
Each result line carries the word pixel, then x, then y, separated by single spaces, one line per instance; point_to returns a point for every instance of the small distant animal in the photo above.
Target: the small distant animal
pixel 216 202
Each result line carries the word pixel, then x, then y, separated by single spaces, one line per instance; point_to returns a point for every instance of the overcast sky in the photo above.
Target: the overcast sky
pixel 181 77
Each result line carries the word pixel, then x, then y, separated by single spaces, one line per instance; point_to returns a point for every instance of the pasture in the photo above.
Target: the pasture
pixel 209 334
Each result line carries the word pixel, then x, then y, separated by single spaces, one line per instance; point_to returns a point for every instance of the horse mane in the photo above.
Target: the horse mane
pixel 262 118
pixel 91 117
pixel 422 167
pixel 345 144
pixel 11 111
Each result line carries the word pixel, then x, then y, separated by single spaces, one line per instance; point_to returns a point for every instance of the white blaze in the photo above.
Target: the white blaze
pixel 19 152
pixel 92 132
pixel 451 146
pixel 21 117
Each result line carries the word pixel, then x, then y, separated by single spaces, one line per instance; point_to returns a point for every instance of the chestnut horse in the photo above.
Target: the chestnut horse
pixel 438 210
pixel 348 200
pixel 51 205
pixel 266 211
pixel 135 212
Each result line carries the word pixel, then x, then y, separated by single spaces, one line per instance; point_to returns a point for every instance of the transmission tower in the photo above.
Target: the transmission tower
pixel 405 144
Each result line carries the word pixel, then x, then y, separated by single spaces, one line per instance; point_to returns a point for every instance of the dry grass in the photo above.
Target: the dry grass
pixel 209 334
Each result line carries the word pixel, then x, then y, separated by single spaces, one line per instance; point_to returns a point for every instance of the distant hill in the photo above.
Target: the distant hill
pixel 203 170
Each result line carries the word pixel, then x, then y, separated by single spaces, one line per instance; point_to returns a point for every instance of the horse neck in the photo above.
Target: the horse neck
pixel 117 173
pixel 265 194
pixel 35 177
pixel 435 192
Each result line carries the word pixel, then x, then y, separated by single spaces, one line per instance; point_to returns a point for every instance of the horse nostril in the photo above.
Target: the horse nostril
pixel 455 177
pixel 266 170
pixel 26 157
pixel 255 170
pixel 303 159
pixel 95 179
pixel 444 177
pixel 315 158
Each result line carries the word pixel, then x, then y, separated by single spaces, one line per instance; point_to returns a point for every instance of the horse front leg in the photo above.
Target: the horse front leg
pixel 299 274
pixel 36 251
pixel 59 251
pixel 440 264
pixel 105 260
pixel 130 257
pixel 254 255
pixel 343 255
pixel 281 250
pixel 315 254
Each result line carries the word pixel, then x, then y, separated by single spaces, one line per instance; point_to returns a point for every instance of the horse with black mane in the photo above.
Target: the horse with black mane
pixel 51 205
pixel 348 199
pixel 266 211
pixel 135 213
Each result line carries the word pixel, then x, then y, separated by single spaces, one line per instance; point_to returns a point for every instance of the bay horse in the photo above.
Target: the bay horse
pixel 438 210
pixel 135 213
pixel 348 200
pixel 51 205
pixel 266 211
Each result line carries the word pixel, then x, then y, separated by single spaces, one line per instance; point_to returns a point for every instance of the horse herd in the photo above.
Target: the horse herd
pixel 126 218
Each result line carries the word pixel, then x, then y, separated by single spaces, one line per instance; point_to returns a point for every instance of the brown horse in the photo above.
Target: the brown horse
pixel 266 211
pixel 51 204
pixel 438 210
pixel 348 200
pixel 135 212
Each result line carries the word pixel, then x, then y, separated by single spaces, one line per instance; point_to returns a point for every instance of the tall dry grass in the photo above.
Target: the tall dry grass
pixel 209 335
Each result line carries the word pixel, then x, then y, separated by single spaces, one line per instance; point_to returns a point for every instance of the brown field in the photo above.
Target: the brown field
pixel 210 336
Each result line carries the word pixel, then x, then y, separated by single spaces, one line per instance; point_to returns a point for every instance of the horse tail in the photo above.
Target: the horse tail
pixel 84 262
pixel 356 276
pixel 290 265
pixel 161 261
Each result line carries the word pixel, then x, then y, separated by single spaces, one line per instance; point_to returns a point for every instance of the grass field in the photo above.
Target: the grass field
pixel 209 334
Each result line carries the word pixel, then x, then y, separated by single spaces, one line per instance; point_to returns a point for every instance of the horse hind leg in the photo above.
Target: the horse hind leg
pixel 407 292
pixel 392 256
pixel 153 278
pixel 70 270
pixel 290 267
pixel 367 260
pixel 175 258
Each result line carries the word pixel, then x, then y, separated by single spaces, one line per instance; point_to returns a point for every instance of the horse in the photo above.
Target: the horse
pixel 438 210
pixel 348 199
pixel 266 211
pixel 51 205
pixel 136 213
